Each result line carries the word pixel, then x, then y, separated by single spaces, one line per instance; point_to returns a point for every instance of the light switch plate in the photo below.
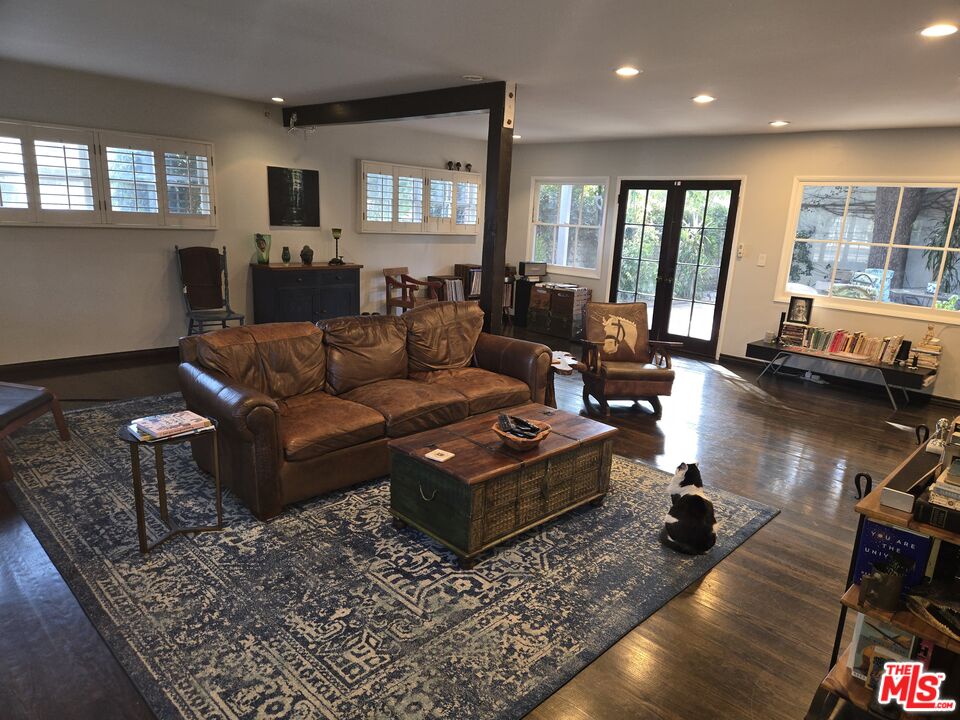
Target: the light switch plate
pixel 762 260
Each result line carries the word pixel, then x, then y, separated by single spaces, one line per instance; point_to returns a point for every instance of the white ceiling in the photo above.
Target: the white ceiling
pixel 822 64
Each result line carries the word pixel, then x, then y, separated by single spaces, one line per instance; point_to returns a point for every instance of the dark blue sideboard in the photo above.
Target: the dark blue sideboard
pixel 297 292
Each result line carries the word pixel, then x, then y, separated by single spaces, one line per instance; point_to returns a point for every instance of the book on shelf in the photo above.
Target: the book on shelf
pixel 871 638
pixel 878 543
pixel 159 427
pixel 939 516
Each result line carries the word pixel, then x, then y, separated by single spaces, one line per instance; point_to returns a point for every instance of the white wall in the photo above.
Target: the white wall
pixel 68 292
pixel 769 164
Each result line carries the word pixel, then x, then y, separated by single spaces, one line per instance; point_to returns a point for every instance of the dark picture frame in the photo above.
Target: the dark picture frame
pixel 801 308
pixel 294 197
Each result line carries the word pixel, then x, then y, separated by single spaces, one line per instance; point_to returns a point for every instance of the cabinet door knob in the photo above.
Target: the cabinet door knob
pixel 339 276
pixel 300 279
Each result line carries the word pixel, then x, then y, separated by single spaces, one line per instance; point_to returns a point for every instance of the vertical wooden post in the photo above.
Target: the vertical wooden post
pixel 496 203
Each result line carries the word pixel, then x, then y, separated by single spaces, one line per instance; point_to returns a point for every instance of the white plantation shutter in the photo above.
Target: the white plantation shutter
pixel 468 199
pixel 65 176
pixel 15 204
pixel 409 203
pixel 439 211
pixel 188 173
pixel 377 207
pixel 129 166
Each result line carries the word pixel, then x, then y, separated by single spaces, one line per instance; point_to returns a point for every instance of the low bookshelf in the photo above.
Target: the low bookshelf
pixel 839 682
pixel 902 377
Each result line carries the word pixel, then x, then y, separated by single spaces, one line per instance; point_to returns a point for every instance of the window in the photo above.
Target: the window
pixel 73 176
pixel 882 247
pixel 567 230
pixel 409 199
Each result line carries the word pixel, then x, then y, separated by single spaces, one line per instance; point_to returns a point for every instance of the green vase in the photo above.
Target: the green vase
pixel 285 255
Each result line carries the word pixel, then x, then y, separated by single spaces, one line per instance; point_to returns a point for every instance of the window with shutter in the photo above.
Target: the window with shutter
pixel 441 199
pixel 64 176
pixel 13 177
pixel 468 194
pixel 379 197
pixel 132 176
pixel 409 200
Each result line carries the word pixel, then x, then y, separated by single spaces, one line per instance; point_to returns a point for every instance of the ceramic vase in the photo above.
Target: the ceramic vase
pixel 285 255
pixel 262 243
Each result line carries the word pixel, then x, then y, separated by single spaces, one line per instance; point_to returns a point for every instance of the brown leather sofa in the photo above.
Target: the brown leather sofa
pixel 303 410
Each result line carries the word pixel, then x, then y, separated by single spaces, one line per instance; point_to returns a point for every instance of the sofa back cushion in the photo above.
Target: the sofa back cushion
pixel 442 336
pixel 362 350
pixel 279 359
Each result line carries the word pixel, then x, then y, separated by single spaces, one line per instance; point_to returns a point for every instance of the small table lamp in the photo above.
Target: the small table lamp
pixel 337 259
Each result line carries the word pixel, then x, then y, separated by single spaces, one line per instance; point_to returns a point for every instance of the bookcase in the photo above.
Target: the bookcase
pixel 839 684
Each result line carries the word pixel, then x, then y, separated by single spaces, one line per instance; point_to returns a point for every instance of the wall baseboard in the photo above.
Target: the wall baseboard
pixel 856 384
pixel 91 363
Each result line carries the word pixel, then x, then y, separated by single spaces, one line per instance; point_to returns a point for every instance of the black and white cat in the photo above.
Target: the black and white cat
pixel 690 526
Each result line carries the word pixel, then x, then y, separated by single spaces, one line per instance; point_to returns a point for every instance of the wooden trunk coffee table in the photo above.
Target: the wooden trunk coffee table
pixel 487 492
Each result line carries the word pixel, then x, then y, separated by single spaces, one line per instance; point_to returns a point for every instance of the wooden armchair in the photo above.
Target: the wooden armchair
pixel 620 362
pixel 398 279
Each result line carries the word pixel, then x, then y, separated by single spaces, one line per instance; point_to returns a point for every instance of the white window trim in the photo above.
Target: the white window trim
pixel 950 317
pixel 595 274
pixel 103 216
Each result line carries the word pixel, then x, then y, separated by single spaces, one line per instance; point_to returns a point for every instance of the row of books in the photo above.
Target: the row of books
pixel 945 492
pixel 162 427
pixel 453 289
pixel 859 344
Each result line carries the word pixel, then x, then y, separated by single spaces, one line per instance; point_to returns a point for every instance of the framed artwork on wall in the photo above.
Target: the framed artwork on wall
pixel 294 197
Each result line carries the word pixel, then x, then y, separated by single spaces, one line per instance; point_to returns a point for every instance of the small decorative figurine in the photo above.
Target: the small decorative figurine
pixel 337 259
pixel 263 248
pixel 306 255
pixel 469 167
pixel 449 164
pixel 285 255
pixel 458 165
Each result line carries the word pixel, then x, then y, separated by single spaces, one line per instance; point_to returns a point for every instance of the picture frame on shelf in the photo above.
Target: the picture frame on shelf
pixel 800 310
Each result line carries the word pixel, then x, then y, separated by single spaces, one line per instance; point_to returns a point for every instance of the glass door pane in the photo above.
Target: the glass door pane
pixel 697 276
pixel 640 248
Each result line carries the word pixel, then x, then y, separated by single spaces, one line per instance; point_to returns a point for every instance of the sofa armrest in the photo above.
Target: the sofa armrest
pixel 526 361
pixel 215 395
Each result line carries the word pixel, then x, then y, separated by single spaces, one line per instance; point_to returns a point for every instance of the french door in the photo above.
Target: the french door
pixel 673 244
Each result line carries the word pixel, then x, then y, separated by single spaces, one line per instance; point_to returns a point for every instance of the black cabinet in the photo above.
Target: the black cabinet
pixel 291 293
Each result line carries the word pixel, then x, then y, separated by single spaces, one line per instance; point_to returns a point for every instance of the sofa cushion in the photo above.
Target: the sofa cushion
pixel 278 359
pixel 484 390
pixel 442 336
pixel 363 350
pixel 318 423
pixel 410 406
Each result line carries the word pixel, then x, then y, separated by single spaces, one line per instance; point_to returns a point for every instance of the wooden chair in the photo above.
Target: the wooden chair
pixel 620 362
pixel 398 279
pixel 206 288
pixel 19 405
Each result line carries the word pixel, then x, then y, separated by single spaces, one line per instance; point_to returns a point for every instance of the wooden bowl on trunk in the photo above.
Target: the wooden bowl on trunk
pixel 518 443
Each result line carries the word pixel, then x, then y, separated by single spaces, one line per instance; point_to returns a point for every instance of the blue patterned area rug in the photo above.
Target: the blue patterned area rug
pixel 328 612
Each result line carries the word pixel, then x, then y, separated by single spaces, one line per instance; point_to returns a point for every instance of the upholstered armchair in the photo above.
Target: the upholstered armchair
pixel 620 362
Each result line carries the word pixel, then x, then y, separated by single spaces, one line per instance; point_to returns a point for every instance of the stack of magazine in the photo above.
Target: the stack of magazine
pixel 164 427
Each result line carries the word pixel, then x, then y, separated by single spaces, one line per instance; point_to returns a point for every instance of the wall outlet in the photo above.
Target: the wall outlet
pixel 762 260
pixel 739 251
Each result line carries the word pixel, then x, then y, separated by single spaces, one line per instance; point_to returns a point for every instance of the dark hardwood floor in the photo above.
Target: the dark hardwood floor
pixel 750 640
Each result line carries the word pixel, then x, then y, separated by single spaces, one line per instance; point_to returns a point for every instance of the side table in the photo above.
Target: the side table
pixel 135 442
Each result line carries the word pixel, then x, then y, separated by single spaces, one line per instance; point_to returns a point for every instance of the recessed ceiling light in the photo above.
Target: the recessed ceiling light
pixel 277 99
pixel 939 30
pixel 627 71
pixel 473 78
pixel 703 99
pixel 779 123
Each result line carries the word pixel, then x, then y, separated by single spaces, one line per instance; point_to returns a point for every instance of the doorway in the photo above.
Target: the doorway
pixel 673 243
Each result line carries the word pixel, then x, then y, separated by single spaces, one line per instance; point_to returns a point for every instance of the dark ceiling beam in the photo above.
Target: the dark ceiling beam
pixel 495 98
